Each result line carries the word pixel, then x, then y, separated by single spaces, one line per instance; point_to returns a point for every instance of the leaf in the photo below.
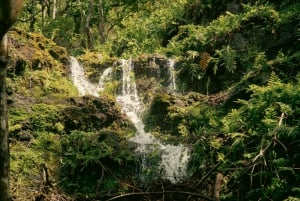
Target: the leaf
pixel 274 79
pixel 236 134
pixel 285 108
pixel 228 56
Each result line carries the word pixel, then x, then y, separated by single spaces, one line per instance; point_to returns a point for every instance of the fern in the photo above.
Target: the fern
pixel 274 79
pixel 194 72
pixel 228 57
pixel 233 121
pixel 285 108
pixel 260 60
pixel 270 117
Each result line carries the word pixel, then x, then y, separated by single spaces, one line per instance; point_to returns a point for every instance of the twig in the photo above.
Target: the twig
pixel 101 178
pixel 158 193
pixel 280 120
pixel 274 139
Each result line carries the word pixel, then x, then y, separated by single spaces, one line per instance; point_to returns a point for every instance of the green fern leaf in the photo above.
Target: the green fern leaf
pixel 260 60
pixel 228 57
pixel 274 79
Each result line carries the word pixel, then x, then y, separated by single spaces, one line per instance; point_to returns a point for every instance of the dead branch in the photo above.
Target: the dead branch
pixel 160 193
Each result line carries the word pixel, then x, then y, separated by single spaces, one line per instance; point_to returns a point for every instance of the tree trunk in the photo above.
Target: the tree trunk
pixel 32 17
pixel 9 12
pixel 101 22
pixel 87 25
pixel 54 10
pixel 4 149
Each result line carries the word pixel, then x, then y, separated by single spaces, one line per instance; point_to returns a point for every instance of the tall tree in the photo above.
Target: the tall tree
pixel 87 25
pixel 9 10
pixel 54 10
pixel 101 22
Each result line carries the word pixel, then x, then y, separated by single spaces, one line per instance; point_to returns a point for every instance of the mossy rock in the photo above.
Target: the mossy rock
pixel 92 113
pixel 94 64
pixel 38 69
pixel 156 116
pixel 37 51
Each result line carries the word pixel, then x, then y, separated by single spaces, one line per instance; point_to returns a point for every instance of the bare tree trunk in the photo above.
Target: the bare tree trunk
pixel 10 10
pixel 87 25
pixel 54 10
pixel 82 16
pixel 4 149
pixel 101 22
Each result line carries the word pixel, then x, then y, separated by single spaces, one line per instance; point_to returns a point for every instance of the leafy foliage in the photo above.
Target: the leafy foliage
pixel 267 119
pixel 243 58
pixel 89 161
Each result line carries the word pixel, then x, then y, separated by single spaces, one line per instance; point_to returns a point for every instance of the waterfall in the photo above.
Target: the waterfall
pixel 174 159
pixel 80 81
pixel 105 77
pixel 172 78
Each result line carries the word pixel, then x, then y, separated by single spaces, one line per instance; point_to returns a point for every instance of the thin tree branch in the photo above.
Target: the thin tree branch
pixel 158 193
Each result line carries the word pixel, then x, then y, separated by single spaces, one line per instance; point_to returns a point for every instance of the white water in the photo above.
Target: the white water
pixel 80 81
pixel 105 77
pixel 174 159
pixel 172 78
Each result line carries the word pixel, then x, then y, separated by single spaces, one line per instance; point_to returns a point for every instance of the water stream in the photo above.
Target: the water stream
pixel 82 84
pixel 174 159
pixel 172 78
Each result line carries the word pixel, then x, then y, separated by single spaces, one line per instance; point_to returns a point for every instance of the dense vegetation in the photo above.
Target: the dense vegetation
pixel 237 105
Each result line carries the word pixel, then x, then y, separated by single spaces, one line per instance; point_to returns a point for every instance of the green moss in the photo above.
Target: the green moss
pixel 38 51
pixel 94 64
pixel 111 88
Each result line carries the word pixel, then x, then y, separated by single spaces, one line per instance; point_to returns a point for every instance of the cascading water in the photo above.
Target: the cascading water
pixel 174 159
pixel 105 77
pixel 172 78
pixel 80 81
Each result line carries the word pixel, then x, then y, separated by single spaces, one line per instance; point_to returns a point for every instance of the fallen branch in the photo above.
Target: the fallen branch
pixel 160 193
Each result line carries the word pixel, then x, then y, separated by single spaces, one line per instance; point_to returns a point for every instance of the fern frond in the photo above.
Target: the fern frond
pixel 242 102
pixel 228 57
pixel 274 79
pixel 260 60
pixel 285 108
pixel 271 113
pixel 233 121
